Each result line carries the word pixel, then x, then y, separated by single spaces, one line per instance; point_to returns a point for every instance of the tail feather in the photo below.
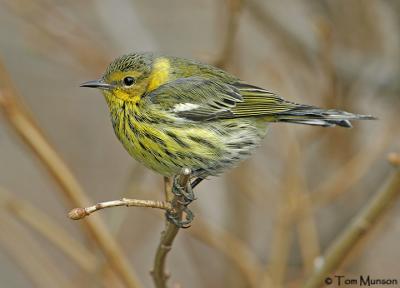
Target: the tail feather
pixel 311 115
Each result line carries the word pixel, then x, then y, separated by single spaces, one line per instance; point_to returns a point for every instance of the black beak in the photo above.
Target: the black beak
pixel 100 84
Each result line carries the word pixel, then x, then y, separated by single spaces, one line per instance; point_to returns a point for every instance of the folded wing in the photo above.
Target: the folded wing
pixel 199 99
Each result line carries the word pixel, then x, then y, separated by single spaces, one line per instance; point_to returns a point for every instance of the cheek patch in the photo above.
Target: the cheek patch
pixel 159 74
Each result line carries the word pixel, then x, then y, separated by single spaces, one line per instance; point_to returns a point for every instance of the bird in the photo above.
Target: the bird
pixel 173 113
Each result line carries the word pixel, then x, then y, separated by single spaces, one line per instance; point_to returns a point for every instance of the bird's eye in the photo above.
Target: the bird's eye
pixel 129 81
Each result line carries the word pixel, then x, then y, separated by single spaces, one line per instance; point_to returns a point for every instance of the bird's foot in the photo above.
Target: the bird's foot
pixel 180 215
pixel 180 219
pixel 185 194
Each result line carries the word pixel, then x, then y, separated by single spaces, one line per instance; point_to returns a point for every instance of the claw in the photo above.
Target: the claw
pixel 177 189
pixel 189 216
pixel 183 197
pixel 187 194
pixel 174 218
pixel 184 202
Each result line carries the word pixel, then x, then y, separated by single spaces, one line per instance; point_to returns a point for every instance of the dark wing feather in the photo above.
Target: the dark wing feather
pixel 260 102
pixel 214 99
pixel 204 99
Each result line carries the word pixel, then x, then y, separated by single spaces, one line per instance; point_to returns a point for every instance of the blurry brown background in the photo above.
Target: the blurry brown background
pixel 264 222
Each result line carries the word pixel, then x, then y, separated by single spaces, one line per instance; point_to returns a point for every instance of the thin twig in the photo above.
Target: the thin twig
pixel 160 277
pixel 360 225
pixel 135 186
pixel 79 213
pixel 23 124
pixel 168 189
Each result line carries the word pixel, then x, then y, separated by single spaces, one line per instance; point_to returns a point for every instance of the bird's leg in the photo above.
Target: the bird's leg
pixel 173 217
pixel 177 189
pixel 186 194
pixel 180 215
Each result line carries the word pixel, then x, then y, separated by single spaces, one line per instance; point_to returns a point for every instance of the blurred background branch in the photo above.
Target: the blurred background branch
pixel 42 223
pixel 29 133
pixel 359 226
pixel 263 224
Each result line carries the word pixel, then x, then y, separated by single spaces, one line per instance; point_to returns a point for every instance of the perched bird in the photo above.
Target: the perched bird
pixel 171 113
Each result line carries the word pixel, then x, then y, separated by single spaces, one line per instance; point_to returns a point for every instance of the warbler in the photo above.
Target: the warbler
pixel 172 113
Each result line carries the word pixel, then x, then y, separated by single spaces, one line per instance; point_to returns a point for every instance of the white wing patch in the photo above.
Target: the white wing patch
pixel 185 107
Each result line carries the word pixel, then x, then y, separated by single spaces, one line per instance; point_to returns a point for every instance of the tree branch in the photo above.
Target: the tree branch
pixel 160 277
pixel 172 205
pixel 79 213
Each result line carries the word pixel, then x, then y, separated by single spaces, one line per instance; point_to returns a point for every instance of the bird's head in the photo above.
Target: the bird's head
pixel 127 78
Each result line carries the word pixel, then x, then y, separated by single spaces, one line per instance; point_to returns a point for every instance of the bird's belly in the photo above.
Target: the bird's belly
pixel 207 148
